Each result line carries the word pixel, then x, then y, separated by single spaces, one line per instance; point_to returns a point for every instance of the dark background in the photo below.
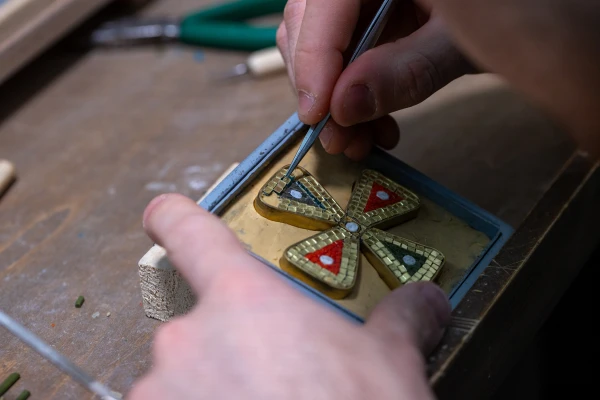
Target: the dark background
pixel 561 360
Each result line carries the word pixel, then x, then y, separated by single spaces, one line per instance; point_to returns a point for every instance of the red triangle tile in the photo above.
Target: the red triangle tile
pixel 328 257
pixel 381 197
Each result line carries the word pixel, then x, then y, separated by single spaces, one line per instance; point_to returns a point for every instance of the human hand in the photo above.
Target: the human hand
pixel 414 58
pixel 546 49
pixel 253 336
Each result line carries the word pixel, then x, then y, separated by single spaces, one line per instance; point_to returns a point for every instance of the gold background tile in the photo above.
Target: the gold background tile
pixel 433 227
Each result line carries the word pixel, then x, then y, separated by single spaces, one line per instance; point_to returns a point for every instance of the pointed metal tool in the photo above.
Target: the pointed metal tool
pixel 56 358
pixel 368 40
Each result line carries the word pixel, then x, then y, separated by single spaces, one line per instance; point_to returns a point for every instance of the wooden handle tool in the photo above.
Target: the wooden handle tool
pixel 7 175
pixel 260 63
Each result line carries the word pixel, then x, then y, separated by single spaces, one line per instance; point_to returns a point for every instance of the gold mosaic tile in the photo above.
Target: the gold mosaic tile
pixel 377 201
pixel 330 258
pixel 399 260
pixel 329 261
pixel 300 201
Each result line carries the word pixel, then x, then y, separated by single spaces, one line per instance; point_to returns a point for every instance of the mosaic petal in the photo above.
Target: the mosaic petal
pixel 381 197
pixel 300 201
pixel 399 260
pixel 327 261
pixel 377 201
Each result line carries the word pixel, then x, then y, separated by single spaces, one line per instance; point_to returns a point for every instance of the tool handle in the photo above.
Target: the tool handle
pixel 230 36
pixel 7 175
pixel 238 10
pixel 265 62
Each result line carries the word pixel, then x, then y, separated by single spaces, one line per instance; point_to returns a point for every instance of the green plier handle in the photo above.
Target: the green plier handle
pixel 225 26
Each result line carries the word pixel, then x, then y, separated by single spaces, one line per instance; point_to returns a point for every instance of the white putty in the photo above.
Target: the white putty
pixel 382 195
pixel 326 260
pixel 352 226
pixel 296 194
pixel 409 260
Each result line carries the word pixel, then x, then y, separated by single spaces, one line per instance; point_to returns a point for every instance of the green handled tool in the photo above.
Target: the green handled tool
pixel 222 26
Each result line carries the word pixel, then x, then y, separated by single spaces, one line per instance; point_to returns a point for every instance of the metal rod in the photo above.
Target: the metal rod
pixel 56 358
pixel 367 41
pixel 242 175
pixel 306 144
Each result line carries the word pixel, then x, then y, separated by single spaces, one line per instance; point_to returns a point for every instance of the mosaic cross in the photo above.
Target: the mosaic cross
pixel 329 260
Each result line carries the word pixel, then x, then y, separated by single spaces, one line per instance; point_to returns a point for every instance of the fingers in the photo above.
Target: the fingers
pixel 385 132
pixel 550 54
pixel 357 141
pixel 360 146
pixel 325 34
pixel 397 75
pixel 197 243
pixel 334 138
pixel 417 312
pixel 284 49
pixel 292 19
pixel 144 389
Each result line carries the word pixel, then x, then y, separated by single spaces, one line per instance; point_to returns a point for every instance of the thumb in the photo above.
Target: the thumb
pixel 198 244
pixel 416 312
pixel 397 75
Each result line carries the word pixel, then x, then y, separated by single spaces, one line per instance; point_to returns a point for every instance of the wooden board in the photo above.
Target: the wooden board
pixel 496 322
pixel 29 26
pixel 95 137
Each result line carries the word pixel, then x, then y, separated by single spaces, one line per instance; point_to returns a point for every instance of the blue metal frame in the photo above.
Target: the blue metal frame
pixel 497 231
pixel 248 169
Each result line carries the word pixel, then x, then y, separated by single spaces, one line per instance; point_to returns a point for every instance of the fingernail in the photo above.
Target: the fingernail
pixel 326 135
pixel 438 302
pixel 359 104
pixel 306 101
pixel 151 206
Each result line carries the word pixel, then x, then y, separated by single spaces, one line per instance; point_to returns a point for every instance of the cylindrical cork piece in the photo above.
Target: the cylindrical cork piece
pixel 7 175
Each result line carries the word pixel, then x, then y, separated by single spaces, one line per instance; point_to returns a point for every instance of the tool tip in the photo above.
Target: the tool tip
pixel 238 70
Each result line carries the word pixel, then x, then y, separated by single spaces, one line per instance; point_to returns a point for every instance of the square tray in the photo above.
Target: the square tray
pixel 480 220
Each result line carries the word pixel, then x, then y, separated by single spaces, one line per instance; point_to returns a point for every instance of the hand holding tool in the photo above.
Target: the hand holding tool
pixel 368 40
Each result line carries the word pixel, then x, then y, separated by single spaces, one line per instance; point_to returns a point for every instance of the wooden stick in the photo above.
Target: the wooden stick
pixel 7 175
pixel 27 27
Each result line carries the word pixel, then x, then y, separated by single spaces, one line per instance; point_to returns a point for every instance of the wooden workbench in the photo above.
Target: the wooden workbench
pixel 96 136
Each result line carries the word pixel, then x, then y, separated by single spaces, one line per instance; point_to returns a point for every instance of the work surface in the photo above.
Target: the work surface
pixel 96 137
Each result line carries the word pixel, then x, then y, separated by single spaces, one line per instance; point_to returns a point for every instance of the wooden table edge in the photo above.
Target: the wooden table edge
pixel 529 275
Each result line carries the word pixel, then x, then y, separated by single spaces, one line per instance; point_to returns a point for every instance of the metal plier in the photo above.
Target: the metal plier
pixel 221 26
